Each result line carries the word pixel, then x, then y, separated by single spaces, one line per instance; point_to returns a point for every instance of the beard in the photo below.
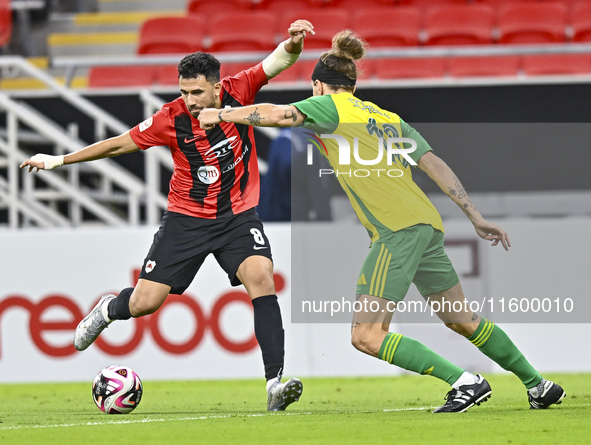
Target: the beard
pixel 195 110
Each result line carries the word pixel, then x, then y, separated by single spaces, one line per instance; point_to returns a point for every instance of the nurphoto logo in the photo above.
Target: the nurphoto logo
pixel 388 148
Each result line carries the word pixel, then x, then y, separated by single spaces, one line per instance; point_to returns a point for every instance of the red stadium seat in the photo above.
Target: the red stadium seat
pixel 305 69
pixel 171 35
pixel 366 69
pixel 459 25
pixel 121 76
pixel 524 23
pixel 5 22
pixel 484 66
pixel 353 5
pixel 581 22
pixel 535 65
pixel 375 26
pixel 207 8
pixel 231 69
pixel 243 31
pixel 425 4
pixel 327 22
pixel 292 74
pixel 285 5
pixel 167 75
pixel 410 68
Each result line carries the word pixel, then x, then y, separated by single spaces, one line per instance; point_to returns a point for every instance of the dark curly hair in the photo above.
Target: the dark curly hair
pixel 200 64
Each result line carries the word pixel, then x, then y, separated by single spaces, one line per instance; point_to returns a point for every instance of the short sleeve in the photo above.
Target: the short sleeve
pixel 153 131
pixel 246 84
pixel 422 145
pixel 321 113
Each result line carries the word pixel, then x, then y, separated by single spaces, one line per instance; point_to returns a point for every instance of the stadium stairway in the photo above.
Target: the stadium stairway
pixel 112 30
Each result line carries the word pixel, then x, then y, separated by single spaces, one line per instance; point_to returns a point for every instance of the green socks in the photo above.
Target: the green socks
pixel 492 341
pixel 495 344
pixel 414 356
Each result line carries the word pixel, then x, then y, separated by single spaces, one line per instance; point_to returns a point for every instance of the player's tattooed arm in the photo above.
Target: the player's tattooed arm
pixel 449 183
pixel 254 118
pixel 261 115
pixel 291 114
pixel 462 199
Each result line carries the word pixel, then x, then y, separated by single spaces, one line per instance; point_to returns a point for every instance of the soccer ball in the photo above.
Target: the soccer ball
pixel 117 390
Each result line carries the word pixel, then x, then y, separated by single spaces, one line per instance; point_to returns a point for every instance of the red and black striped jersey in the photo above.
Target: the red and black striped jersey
pixel 215 172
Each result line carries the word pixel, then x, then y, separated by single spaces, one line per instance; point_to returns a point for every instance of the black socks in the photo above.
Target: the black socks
pixel 268 329
pixel 118 308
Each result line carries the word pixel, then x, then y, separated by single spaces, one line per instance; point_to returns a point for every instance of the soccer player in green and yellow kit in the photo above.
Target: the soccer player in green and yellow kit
pixel 405 228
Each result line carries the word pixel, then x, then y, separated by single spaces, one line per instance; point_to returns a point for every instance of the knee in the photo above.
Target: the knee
pixel 363 341
pixel 464 329
pixel 260 283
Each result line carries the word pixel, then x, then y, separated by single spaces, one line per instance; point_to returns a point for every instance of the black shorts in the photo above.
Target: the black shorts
pixel 183 242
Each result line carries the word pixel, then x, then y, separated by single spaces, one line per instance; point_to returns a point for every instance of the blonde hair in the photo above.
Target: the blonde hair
pixel 346 48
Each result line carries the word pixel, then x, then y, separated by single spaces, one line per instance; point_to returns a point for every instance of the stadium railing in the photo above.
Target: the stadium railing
pixel 119 196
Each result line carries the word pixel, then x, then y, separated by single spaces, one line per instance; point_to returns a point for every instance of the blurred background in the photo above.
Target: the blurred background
pixel 501 90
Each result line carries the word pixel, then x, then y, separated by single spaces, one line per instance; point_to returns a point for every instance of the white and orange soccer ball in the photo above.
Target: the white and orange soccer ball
pixel 117 390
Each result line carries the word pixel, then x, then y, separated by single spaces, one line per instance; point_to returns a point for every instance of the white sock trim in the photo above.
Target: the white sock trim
pixel 466 378
pixel 272 382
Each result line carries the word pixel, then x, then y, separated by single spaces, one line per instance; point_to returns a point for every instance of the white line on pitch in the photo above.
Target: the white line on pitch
pixel 182 419
pixel 227 416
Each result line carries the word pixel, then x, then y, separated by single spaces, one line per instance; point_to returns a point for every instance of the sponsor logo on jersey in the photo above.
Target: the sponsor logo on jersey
pixel 237 161
pixel 221 149
pixel 208 174
pixel 146 124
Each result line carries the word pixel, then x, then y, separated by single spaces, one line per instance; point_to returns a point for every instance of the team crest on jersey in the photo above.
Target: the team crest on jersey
pixel 221 149
pixel 208 174
pixel 146 124
pixel 150 265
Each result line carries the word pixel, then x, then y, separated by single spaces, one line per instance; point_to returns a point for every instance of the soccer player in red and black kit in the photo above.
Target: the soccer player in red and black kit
pixel 213 192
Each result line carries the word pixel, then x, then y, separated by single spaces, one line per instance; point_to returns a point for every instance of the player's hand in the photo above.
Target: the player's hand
pixel 43 162
pixel 491 232
pixel 298 30
pixel 209 118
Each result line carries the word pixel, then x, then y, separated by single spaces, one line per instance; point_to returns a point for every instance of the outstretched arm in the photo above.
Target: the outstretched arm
pixel 445 178
pixel 297 33
pixel 260 115
pixel 288 51
pixel 104 149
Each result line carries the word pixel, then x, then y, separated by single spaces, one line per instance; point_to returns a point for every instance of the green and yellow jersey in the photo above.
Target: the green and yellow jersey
pixel 382 192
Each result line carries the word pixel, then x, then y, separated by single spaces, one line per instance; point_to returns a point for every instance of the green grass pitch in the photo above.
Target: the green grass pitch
pixel 368 410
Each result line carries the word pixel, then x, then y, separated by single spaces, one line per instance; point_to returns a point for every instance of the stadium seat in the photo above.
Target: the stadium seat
pixel 410 68
pixel 327 22
pixel 305 68
pixel 230 69
pixel 171 35
pixel 207 8
pixel 5 22
pixel 280 6
pixel 459 25
pixel 375 26
pixel 243 31
pixel 167 75
pixel 425 4
pixel 353 5
pixel 524 23
pixel 535 65
pixel 292 74
pixel 484 66
pixel 581 22
pixel 121 76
